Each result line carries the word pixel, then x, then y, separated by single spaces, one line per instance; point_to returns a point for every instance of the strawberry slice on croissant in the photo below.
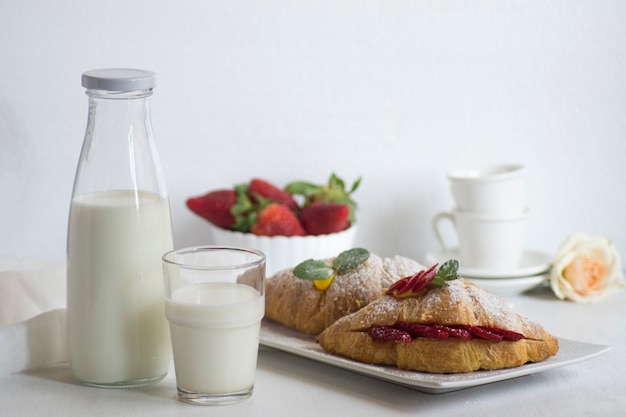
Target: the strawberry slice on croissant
pixel 446 325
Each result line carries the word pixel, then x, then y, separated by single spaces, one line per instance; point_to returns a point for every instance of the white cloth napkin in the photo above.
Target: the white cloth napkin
pixel 32 315
pixel 33 344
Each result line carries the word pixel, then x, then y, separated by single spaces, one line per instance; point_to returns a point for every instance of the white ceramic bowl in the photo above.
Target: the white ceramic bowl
pixel 286 252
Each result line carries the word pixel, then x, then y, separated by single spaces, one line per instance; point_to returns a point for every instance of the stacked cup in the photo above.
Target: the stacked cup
pixel 489 217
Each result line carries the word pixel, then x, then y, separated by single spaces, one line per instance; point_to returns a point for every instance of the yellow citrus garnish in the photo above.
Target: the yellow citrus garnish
pixel 323 284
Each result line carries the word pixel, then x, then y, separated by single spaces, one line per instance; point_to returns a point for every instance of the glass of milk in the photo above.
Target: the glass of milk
pixel 214 301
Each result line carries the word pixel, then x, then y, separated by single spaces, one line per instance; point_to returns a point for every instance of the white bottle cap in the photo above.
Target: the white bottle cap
pixel 119 79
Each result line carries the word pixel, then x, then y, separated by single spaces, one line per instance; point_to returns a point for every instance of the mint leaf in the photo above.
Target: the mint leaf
pixel 350 259
pixel 313 270
pixel 448 271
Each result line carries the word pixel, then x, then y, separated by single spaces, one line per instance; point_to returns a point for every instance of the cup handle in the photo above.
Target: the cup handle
pixel 439 217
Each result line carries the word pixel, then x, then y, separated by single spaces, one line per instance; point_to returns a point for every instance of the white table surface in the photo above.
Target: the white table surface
pixel 287 385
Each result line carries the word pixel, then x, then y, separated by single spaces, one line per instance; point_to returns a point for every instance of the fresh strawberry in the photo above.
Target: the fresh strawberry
pixel 416 284
pixel 380 332
pixel 413 284
pixel 215 207
pixel 324 218
pixel 269 191
pixel 333 192
pixel 277 220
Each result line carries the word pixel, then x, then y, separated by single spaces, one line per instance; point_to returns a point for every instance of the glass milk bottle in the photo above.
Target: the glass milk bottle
pixel 119 227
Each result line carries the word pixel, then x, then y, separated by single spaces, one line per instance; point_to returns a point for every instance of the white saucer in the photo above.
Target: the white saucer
pixel 507 287
pixel 532 263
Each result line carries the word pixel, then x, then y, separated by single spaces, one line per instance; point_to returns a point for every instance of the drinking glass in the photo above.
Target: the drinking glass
pixel 214 301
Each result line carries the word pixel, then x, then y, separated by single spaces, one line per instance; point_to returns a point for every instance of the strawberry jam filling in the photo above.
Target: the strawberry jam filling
pixel 405 332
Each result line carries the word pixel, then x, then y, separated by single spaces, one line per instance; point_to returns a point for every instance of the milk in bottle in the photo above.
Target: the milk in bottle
pixel 119 227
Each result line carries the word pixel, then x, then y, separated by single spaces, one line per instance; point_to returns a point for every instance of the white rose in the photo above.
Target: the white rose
pixel 586 269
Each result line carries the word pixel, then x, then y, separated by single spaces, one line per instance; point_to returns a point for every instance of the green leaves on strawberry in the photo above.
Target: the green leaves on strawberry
pixel 325 208
pixel 253 198
pixel 243 210
pixel 333 192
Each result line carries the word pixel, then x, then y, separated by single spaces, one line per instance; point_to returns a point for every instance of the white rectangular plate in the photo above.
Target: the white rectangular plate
pixel 276 336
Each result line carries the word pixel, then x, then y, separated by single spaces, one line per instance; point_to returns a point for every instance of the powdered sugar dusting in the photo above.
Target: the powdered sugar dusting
pixel 357 284
pixel 387 307
pixel 460 302
pixel 492 309
pixel 354 284
pixel 399 267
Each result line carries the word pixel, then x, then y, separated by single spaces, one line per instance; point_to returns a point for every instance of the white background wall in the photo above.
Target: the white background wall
pixel 398 92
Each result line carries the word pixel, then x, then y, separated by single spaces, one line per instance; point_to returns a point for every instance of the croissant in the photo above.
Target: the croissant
pixel 297 304
pixel 459 308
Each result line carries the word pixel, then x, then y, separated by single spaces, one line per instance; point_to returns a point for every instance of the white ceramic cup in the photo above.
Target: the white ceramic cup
pixel 496 189
pixel 494 243
pixel 214 301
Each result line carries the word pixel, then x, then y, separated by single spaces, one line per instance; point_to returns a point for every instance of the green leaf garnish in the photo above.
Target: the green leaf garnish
pixel 448 271
pixel 350 259
pixel 315 269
